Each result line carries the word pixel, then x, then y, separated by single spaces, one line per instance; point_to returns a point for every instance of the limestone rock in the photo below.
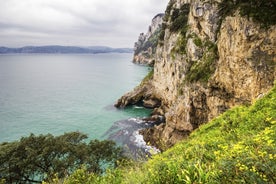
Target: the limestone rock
pixel 208 65
pixel 144 48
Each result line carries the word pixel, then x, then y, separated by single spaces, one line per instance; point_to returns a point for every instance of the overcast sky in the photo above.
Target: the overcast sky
pixel 115 23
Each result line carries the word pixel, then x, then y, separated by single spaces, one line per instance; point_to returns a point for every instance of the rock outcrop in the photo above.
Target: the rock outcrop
pixel 145 47
pixel 206 62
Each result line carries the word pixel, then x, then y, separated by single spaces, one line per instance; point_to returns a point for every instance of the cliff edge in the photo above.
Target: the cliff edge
pixel 210 56
pixel 145 47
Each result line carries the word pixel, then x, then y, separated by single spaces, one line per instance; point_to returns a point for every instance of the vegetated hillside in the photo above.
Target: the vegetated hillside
pixel 239 146
pixel 212 55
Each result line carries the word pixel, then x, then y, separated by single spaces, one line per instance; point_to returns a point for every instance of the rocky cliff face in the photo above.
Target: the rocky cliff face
pixel 145 47
pixel 206 62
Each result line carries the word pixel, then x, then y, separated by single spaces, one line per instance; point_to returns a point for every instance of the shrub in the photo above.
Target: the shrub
pixel 179 18
pixel 148 77
pixel 203 70
pixel 161 35
pixel 168 11
pixel 261 11
pixel 37 158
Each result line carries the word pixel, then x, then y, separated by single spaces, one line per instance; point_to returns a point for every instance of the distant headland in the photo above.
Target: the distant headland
pixel 57 49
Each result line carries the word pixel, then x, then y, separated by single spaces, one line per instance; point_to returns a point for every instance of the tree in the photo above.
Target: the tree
pixel 37 158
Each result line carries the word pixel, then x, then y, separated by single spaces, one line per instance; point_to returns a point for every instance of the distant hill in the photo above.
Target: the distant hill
pixel 52 49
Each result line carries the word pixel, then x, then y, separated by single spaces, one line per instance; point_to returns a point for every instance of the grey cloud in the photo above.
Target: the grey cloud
pixel 76 22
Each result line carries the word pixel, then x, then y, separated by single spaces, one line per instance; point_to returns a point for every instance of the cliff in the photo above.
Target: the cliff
pixel 145 47
pixel 211 55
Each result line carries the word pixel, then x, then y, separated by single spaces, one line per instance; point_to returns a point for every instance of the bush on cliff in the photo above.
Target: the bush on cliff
pixel 261 11
pixel 179 18
pixel 237 147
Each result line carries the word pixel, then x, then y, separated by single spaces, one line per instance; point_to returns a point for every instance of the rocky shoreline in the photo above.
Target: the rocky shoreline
pixel 143 95
pixel 128 134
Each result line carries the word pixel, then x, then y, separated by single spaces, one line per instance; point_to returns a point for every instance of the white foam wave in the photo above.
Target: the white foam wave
pixel 139 142
pixel 136 120
pixel 138 107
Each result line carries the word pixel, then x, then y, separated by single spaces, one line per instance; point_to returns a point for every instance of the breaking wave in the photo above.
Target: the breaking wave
pixel 126 133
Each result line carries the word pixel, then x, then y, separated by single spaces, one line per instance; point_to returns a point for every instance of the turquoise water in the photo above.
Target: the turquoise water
pixel 60 93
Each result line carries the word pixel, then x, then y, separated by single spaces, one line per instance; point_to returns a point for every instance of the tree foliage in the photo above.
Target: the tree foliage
pixel 37 158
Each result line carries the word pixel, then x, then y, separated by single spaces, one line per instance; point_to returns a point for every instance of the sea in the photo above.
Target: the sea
pixel 58 93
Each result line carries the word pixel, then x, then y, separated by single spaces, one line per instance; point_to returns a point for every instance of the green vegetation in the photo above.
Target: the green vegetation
pixel 168 11
pixel 197 41
pixel 261 11
pixel 162 33
pixel 180 46
pixel 177 22
pixel 151 42
pixel 37 158
pixel 165 20
pixel 148 77
pixel 237 147
pixel 203 70
pixel 179 18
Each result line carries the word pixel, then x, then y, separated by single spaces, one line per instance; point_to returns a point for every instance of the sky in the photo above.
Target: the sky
pixel 114 23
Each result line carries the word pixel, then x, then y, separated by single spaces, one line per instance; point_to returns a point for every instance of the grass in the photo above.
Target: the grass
pixel 237 147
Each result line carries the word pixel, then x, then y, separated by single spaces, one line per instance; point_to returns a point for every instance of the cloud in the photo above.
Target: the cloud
pixel 114 23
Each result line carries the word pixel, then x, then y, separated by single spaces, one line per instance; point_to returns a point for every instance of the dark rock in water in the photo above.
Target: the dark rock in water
pixel 141 95
pixel 131 98
pixel 127 134
pixel 155 119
